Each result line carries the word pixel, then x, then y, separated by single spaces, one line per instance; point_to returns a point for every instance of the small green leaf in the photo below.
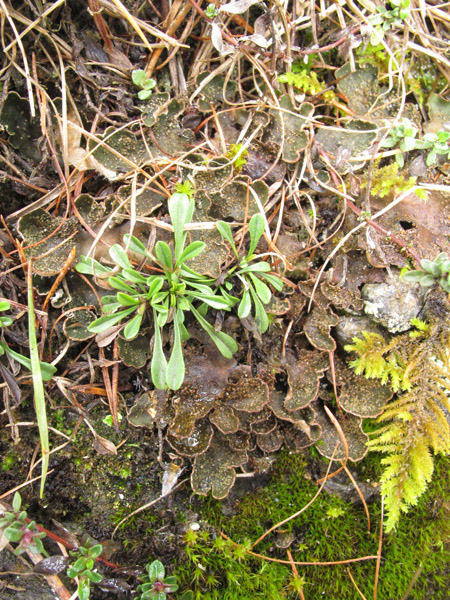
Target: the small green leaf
pixel 164 255
pixel 4 305
pixel 225 344
pixel 159 363
pixel 138 76
pixel 90 266
pixel 17 502
pixel 94 576
pixel 84 588
pixel 134 276
pixel 413 276
pixel 225 231
pixel 427 281
pixel 127 300
pixel 144 94
pixel 191 251
pixel 107 321
pixel 156 571
pixel 135 245
pixel 256 229
pixel 273 280
pixel 261 289
pixel 47 370
pixel 119 256
pixel 132 327
pixel 245 305
pixel 261 318
pixel 175 367
pixel 181 209
pixel 118 284
pixel 259 267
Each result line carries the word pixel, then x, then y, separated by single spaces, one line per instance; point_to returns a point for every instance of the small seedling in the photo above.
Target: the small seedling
pixel 167 296
pixel 17 530
pixel 146 84
pixel 387 19
pixel 156 585
pixel 211 11
pixel 438 143
pixel 238 155
pixel 403 135
pixel 83 567
pixel 47 369
pixel 433 272
pixel 252 273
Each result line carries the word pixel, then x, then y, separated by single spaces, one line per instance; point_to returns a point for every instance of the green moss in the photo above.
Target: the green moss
pixel 329 530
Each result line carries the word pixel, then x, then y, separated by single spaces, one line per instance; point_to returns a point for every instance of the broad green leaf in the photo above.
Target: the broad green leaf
pixel 225 231
pixel 119 256
pixel 261 289
pixel 104 323
pixel 4 305
pixel 256 229
pixel 132 327
pixel 191 251
pixel 156 571
pixel 164 255
pixel 245 305
pixel 175 367
pixel 159 363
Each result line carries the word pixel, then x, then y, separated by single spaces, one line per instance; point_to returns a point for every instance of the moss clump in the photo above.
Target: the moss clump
pixel 329 530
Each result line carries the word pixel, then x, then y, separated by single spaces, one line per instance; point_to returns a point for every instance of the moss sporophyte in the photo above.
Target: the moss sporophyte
pixel 177 289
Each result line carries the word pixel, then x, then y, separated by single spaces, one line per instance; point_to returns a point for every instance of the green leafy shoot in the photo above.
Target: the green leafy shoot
pixel 437 143
pixel 47 369
pixel 403 136
pixel 238 154
pixel 164 298
pixel 17 531
pixel 155 584
pixel 387 19
pixel 211 11
pixel 253 274
pixel 146 84
pixel 302 78
pixel 433 272
pixel 83 569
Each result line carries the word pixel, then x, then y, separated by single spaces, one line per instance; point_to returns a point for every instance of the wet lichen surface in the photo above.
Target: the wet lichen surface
pixel 296 143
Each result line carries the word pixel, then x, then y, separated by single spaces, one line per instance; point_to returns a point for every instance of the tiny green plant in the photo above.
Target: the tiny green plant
pixel 238 154
pixel 302 78
pixel 437 143
pixel 433 272
pixel 156 585
pixel 83 569
pixel 389 18
pixel 253 274
pixel 17 530
pixel 403 135
pixel 168 296
pixel 211 11
pixel 146 84
pixel 47 369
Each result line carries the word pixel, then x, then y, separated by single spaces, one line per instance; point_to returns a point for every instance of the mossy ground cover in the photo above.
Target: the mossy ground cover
pixel 330 530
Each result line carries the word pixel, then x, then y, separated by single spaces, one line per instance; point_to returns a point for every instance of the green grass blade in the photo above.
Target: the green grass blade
pixel 38 385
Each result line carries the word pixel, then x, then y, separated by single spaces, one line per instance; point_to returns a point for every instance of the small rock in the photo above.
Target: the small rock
pixel 352 326
pixel 393 304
